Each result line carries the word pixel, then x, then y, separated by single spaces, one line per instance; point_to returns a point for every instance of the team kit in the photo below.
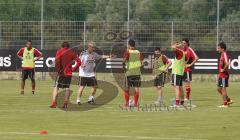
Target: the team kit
pixel 182 66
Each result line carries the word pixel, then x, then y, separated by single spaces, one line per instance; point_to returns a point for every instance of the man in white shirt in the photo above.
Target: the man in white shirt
pixel 87 71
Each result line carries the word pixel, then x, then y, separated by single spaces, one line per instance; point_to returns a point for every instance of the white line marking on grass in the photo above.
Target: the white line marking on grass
pixel 97 136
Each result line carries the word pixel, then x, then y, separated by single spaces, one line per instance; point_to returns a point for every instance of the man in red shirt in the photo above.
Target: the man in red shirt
pixel 190 59
pixel 28 55
pixel 65 58
pixel 223 75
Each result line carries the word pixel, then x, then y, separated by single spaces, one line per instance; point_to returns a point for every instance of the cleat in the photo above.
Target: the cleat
pixel 157 103
pixel 78 102
pixel 223 106
pixel 91 102
pixel 53 106
pixel 33 92
pixel 175 106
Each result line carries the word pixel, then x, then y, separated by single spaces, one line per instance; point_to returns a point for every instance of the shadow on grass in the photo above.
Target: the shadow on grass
pixel 110 92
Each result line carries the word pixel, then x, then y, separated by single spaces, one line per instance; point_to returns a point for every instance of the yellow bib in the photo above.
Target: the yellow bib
pixel 28 58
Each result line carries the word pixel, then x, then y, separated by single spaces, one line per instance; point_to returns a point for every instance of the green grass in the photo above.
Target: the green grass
pixel 23 117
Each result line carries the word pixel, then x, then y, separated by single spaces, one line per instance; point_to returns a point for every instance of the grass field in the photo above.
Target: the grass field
pixel 23 117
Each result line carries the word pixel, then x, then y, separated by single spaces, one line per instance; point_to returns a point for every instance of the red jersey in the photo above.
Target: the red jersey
pixel 36 52
pixel 190 56
pixel 64 60
pixel 221 64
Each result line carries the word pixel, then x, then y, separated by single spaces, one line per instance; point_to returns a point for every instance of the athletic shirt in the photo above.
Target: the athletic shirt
pixel 133 64
pixel 88 63
pixel 179 63
pixel 64 59
pixel 221 64
pixel 159 64
pixel 28 57
pixel 190 56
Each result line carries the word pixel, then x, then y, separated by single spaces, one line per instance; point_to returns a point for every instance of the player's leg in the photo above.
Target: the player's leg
pixel 187 78
pixel 224 96
pixel 82 84
pixel 224 92
pixel 54 97
pixel 159 94
pixel 66 86
pixel 181 94
pixel 33 83
pixel 22 86
pixel 177 95
pixel 23 79
pixel 67 97
pixel 177 83
pixel 91 97
pixel 79 94
pixel 92 82
pixel 59 83
pixel 159 83
pixel 136 95
pixel 222 85
pixel 126 90
pixel 136 84
pixel 219 89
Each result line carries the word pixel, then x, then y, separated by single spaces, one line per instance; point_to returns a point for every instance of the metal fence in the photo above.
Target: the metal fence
pixel 147 34
pixel 111 22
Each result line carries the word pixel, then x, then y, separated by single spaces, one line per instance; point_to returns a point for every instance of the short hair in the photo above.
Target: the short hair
pixel 131 42
pixel 186 40
pixel 222 45
pixel 93 43
pixel 29 40
pixel 157 49
pixel 65 44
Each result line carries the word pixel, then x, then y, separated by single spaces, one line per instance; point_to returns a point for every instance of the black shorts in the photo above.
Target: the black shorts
pixel 222 82
pixel 177 80
pixel 28 73
pixel 187 77
pixel 63 82
pixel 160 80
pixel 87 81
pixel 133 81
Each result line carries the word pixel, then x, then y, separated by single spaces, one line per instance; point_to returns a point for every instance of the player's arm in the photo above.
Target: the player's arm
pixel 125 59
pixel 20 53
pixel 226 63
pixel 38 54
pixel 195 58
pixel 167 62
pixel 141 60
pixel 78 61
pixel 178 51
pixel 105 56
pixel 58 65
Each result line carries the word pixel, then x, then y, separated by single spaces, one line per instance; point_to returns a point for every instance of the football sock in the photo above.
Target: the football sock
pixel 188 90
pixel 136 97
pixel 177 102
pixel 90 98
pixel 126 94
